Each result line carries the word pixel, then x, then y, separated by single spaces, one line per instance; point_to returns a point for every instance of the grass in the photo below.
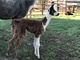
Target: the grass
pixel 60 41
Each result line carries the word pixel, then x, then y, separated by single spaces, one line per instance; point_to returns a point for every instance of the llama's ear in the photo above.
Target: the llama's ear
pixel 51 7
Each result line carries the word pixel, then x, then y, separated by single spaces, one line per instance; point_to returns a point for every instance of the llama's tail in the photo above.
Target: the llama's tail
pixel 14 25
pixel 15 21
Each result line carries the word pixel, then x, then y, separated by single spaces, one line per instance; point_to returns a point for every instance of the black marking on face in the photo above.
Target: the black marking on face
pixel 51 10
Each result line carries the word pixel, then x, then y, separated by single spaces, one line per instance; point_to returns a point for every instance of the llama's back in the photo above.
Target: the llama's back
pixel 14 8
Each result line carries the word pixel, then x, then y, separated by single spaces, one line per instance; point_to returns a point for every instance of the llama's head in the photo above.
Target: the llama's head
pixel 53 10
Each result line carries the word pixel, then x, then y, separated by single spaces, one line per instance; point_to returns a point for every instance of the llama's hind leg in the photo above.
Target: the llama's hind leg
pixel 21 34
pixel 11 41
pixel 17 43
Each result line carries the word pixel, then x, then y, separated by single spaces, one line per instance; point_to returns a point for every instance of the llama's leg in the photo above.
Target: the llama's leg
pixel 11 41
pixel 36 45
pixel 21 34
pixel 17 43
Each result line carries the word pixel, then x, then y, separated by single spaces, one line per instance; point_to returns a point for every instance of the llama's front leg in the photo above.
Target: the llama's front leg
pixel 36 45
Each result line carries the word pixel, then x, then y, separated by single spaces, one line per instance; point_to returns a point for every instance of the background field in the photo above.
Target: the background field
pixel 60 41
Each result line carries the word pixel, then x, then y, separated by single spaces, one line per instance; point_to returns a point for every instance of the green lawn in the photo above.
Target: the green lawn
pixel 60 41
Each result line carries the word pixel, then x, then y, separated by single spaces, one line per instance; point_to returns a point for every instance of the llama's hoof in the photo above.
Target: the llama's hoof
pixel 39 59
pixel 18 58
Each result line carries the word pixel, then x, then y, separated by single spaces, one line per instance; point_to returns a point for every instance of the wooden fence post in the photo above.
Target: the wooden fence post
pixel 30 13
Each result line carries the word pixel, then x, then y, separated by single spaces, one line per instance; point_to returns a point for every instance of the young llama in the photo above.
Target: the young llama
pixel 19 27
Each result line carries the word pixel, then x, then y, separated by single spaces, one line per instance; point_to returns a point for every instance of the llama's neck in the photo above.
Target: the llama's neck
pixel 46 19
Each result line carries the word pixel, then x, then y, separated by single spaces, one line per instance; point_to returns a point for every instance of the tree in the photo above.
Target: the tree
pixel 43 3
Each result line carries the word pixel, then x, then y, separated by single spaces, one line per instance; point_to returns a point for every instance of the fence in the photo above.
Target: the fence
pixel 40 9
